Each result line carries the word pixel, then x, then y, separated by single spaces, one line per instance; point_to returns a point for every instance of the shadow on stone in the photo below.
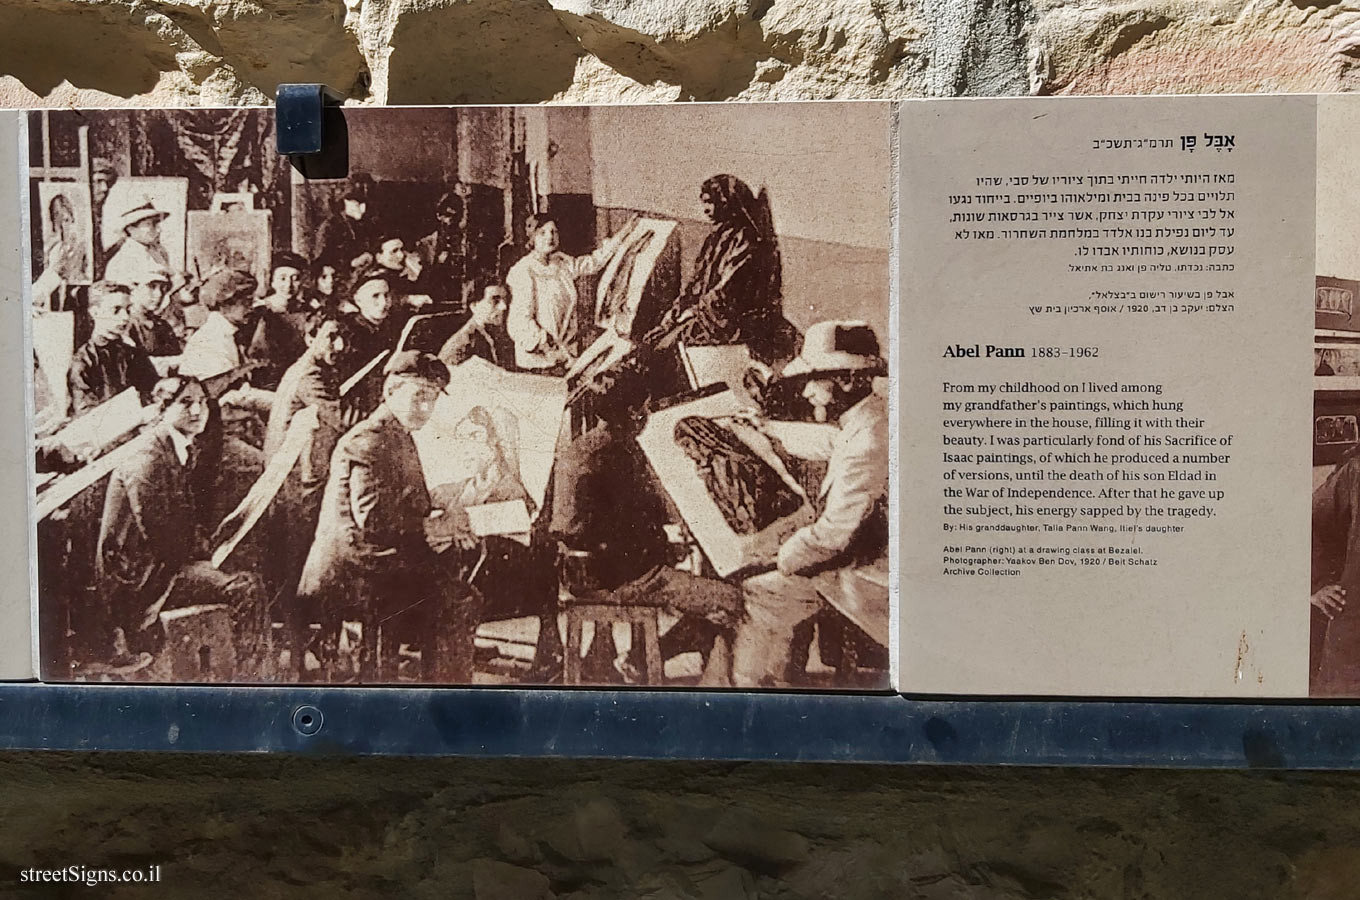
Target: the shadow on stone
pixel 119 54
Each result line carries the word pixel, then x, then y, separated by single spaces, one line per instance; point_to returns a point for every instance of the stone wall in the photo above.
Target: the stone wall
pixel 444 829
pixel 191 52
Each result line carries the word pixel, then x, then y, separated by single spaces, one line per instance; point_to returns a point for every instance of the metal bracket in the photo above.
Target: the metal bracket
pixel 298 117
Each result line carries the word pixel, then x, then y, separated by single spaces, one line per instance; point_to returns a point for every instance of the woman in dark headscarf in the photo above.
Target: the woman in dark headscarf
pixel 735 295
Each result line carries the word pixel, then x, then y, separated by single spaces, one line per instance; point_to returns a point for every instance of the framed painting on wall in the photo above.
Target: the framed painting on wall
pixel 236 240
pixel 67 227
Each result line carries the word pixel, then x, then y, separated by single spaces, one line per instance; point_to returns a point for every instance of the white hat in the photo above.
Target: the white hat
pixel 838 347
pixel 138 213
pixel 150 275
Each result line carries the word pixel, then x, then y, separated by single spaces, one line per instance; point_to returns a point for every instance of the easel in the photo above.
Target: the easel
pixel 49 172
pixel 80 174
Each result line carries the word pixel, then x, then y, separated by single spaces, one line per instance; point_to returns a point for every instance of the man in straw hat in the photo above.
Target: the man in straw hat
pixel 141 255
pixel 837 367
pixel 374 551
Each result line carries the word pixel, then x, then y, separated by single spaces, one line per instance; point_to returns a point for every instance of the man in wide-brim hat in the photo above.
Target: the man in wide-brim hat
pixel 141 255
pixel 836 368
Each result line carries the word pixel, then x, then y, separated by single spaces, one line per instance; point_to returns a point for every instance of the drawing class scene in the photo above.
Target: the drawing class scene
pixel 491 396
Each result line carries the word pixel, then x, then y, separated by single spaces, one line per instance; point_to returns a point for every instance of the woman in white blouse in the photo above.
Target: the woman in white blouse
pixel 542 317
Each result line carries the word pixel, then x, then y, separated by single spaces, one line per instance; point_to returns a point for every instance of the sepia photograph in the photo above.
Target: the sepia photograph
pixel 497 396
pixel 1334 632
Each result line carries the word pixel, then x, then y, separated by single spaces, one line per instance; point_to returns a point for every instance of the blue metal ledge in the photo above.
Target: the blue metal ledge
pixel 677 725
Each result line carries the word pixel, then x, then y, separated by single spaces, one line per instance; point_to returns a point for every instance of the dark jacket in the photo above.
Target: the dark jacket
pixel 276 342
pixel 341 239
pixel 370 536
pixel 155 335
pixel 1336 529
pixel 105 367
pixel 1335 643
pixel 443 273
pixel 307 382
pixel 471 340
pixel 363 342
pixel 596 477
pixel 149 529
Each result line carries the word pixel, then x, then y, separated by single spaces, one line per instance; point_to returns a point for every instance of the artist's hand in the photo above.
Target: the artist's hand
pixel 1331 600
pixel 441 543
pixel 751 418
pixel 760 549
pixel 556 351
pixel 236 397
pixel 444 530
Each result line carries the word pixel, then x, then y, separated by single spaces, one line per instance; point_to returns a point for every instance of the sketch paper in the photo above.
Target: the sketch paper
pixel 620 288
pixel 492 436
pixel 727 550
pixel 101 427
pixel 54 347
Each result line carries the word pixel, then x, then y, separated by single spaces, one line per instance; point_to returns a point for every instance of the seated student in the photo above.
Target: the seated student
pixel 390 253
pixel 484 334
pixel 319 299
pixel 109 362
pixel 596 476
pixel 343 237
pixel 141 250
pixel 148 326
pixel 286 270
pixel 439 258
pixel 376 536
pixel 218 346
pixel 369 331
pixel 151 554
pixel 277 324
pixel 409 295
pixel 313 381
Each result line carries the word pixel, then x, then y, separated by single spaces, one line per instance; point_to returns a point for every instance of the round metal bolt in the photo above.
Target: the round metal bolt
pixel 307 720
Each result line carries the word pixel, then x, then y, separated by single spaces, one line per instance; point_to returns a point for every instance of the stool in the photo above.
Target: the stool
pixel 198 640
pixel 601 608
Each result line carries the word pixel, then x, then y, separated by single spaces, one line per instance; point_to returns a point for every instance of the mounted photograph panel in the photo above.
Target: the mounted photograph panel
pixel 417 460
